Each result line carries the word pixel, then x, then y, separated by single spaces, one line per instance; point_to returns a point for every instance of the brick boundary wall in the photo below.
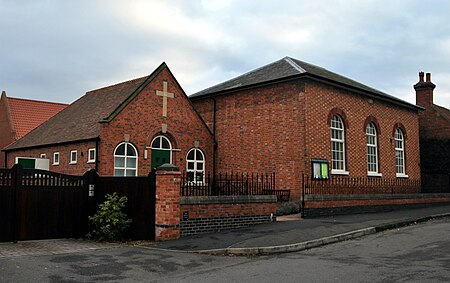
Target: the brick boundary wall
pixel 200 215
pixel 327 205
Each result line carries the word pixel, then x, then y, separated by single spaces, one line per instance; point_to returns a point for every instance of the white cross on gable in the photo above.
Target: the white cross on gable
pixel 165 95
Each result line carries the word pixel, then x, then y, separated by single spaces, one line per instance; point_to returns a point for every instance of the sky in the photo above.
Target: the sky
pixel 59 50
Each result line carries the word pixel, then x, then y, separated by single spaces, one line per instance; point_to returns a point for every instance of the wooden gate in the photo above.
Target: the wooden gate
pixel 38 204
pixel 140 207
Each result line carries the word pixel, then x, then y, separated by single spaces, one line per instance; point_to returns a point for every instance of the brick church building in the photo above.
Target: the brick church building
pixel 123 130
pixel 288 117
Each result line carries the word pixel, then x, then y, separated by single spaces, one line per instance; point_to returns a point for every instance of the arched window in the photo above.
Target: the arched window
pixel 161 151
pixel 337 145
pixel 372 149
pixel 399 152
pixel 195 165
pixel 125 160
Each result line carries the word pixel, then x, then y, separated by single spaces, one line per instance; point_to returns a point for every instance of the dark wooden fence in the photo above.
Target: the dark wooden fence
pixel 141 194
pixel 232 185
pixel 38 204
pixel 347 185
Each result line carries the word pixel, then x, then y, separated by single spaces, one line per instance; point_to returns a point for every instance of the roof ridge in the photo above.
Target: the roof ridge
pixel 245 74
pixel 116 84
pixel 35 100
pixel 294 65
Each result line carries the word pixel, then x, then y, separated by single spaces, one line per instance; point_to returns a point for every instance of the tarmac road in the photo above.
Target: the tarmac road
pixel 418 253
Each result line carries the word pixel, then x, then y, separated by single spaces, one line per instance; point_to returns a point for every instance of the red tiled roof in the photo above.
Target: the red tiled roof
pixel 27 114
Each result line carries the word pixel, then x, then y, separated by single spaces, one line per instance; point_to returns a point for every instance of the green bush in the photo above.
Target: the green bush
pixel 285 208
pixel 109 221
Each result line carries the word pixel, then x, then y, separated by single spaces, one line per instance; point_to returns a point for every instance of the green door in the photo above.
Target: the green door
pixel 159 157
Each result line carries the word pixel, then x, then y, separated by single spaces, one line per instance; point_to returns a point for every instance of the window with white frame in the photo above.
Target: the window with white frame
pixel 399 152
pixel 91 155
pixel 372 149
pixel 195 167
pixel 337 145
pixel 43 155
pixel 55 158
pixel 73 157
pixel 125 160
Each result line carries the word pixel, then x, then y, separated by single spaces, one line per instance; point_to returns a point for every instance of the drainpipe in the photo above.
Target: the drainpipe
pixel 214 140
pixel 6 159
pixel 97 141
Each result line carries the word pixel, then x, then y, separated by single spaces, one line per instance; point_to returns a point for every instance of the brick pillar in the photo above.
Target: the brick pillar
pixel 167 224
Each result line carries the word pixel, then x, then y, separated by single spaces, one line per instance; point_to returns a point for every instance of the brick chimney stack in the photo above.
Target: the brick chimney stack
pixel 424 90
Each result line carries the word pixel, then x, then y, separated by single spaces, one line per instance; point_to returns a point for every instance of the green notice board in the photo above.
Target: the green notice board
pixel 319 168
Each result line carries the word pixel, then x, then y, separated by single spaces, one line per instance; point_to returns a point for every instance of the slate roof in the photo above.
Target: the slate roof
pixel 287 68
pixel 27 114
pixel 443 112
pixel 81 120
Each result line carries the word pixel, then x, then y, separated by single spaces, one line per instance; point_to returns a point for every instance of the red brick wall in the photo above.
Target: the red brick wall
pixel 142 119
pixel 64 166
pixel 279 128
pixel 260 131
pixel 371 202
pixel 433 125
pixel 321 99
pixel 227 209
pixel 6 133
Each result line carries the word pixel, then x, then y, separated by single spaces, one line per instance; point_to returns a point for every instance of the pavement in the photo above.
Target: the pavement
pixel 288 234
pixel 292 233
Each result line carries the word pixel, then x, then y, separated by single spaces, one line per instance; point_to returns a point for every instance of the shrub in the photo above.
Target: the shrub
pixel 285 208
pixel 109 221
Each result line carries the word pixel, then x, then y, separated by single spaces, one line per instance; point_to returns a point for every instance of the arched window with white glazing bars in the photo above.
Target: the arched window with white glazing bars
pixel 399 153
pixel 125 160
pixel 195 166
pixel 337 145
pixel 372 149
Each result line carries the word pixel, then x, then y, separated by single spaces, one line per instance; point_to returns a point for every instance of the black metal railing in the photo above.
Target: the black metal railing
pixel 232 184
pixel 363 185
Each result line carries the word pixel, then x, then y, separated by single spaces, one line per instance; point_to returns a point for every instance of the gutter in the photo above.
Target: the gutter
pixel 374 95
pixel 49 144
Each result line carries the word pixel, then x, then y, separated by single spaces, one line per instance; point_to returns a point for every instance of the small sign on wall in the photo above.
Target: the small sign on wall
pixel 185 215
pixel 91 190
pixel 319 168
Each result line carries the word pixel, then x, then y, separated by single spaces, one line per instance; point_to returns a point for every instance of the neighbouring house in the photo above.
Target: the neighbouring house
pixel 294 118
pixel 19 116
pixel 289 117
pixel 434 135
pixel 124 130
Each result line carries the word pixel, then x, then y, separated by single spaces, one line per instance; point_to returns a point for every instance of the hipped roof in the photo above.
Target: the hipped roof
pixel 290 68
